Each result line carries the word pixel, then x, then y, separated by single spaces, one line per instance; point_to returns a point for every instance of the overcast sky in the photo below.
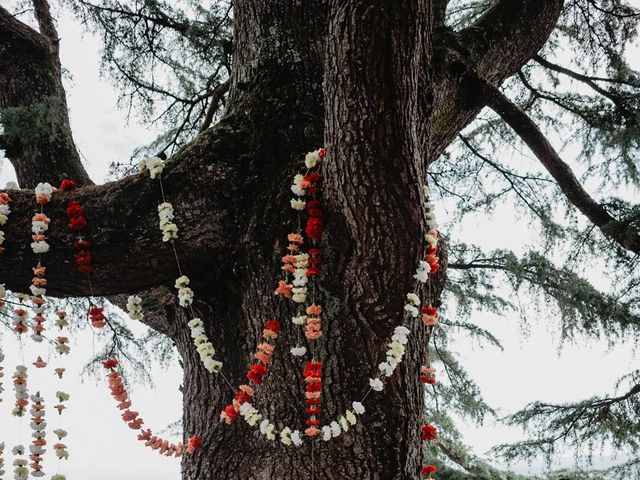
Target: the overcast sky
pixel 102 447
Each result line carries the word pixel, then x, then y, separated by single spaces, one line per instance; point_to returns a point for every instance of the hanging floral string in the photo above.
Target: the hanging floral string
pixel 255 374
pixel 169 229
pixel 297 291
pixel 1 375
pixel 2 471
pixel 38 425
pixel 83 256
pixel 135 422
pixel 20 470
pixel 20 377
pixel 39 226
pixel 5 200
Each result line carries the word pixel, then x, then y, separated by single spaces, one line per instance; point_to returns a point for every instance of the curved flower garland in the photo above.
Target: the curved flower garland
pixel 135 422
pixel 413 310
pixel 5 200
pixel 169 230
pixel 38 425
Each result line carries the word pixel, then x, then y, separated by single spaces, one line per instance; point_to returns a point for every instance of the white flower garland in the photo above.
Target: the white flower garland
pixel 169 230
pixel 20 470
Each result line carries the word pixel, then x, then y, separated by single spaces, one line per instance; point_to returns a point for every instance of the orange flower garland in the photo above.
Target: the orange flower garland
pixel 135 422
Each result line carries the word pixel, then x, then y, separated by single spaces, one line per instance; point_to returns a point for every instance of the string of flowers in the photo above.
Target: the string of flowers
pixel 20 470
pixel 256 371
pixel 5 200
pixel 39 226
pixel 135 422
pixel 20 377
pixel 166 217
pixel 38 425
pixel 83 256
pixel 59 448
pixel 2 471
pixel 1 375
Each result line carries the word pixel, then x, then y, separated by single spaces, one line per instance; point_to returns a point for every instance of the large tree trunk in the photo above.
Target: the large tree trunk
pixel 376 110
pixel 358 77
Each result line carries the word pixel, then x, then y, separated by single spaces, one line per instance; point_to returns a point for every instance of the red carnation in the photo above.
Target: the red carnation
pixel 314 251
pixel 84 268
pixel 314 228
pixel 312 177
pixel 273 325
pixel 256 372
pixel 110 363
pixel 428 379
pixel 429 310
pixel 194 444
pixel 231 413
pixel 429 432
pixel 314 208
pixel 434 268
pixel 432 249
pixel 83 258
pixel 312 423
pixel 68 185
pixel 321 152
pixel 78 222
pixel 429 469
pixel 313 271
pixel 74 209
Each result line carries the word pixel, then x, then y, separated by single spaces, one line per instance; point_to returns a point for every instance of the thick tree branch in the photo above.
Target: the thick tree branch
pixel 529 132
pixel 503 39
pixel 33 107
pixel 128 254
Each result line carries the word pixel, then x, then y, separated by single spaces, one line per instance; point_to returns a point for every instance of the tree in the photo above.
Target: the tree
pixel 387 87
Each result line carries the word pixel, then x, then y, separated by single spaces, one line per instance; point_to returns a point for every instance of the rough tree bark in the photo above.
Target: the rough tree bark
pixel 371 81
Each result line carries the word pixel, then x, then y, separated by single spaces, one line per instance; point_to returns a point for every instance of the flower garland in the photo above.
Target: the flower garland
pixel 20 377
pixel 135 422
pixel 297 291
pixel 5 200
pixel 83 256
pixel 166 217
pixel 313 390
pixel 2 472
pixel 20 317
pixel 60 450
pixel 1 374
pixel 20 470
pixel 429 433
pixel 256 372
pixel 38 425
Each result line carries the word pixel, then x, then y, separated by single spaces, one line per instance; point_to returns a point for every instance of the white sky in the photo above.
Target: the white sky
pixel 103 447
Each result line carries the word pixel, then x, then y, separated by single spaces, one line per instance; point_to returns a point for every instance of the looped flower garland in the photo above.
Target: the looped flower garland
pixel 5 200
pixel 413 310
pixel 135 422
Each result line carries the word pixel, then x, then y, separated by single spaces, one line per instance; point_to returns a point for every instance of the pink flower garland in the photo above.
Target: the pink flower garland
pixel 135 422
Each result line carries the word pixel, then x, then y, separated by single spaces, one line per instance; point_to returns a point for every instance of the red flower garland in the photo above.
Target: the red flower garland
pixel 313 378
pixel 135 422
pixel 255 375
